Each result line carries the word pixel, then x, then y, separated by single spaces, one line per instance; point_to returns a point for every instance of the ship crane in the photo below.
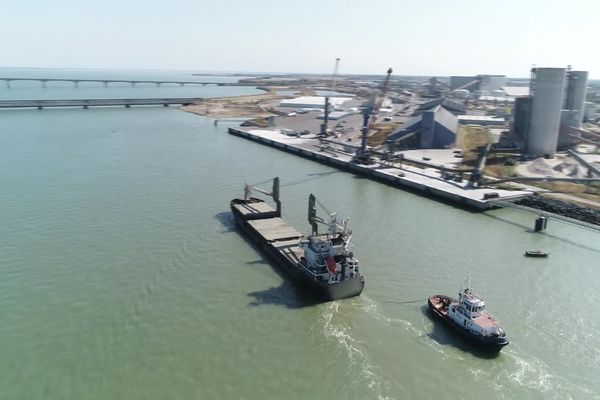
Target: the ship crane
pixel 334 225
pixel 274 193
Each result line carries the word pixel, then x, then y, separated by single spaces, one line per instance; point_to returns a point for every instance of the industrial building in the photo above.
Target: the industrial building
pixel 515 91
pixel 575 95
pixel 554 109
pixel 432 129
pixel 483 83
pixel 489 83
pixel 460 81
pixel 483 120
pixel 548 87
pixel 590 111
pixel 315 102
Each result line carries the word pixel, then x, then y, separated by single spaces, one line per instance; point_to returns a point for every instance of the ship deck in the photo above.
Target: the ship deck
pixel 485 321
pixel 274 229
pixel 290 250
pixel 253 208
pixel 280 236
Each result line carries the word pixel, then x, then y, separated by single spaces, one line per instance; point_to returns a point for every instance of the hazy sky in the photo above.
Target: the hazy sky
pixel 413 37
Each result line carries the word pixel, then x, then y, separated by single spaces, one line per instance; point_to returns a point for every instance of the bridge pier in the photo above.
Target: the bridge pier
pixel 7 84
pixel 132 84
pixel 43 84
pixel 541 223
pixel 105 84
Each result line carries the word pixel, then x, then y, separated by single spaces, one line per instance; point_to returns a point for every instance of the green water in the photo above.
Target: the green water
pixel 122 276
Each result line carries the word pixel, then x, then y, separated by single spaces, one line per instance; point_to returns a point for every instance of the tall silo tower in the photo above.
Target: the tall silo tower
pixel 576 92
pixel 547 90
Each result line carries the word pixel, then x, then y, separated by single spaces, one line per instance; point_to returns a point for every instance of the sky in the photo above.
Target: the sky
pixel 435 37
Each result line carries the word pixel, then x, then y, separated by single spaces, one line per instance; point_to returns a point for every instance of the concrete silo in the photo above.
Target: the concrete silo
pixel 548 88
pixel 521 117
pixel 576 92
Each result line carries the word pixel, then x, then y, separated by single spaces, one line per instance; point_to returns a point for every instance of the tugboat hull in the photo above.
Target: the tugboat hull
pixel 438 306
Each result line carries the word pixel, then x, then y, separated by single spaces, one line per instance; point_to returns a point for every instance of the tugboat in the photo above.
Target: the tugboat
pixel 467 316
pixel 322 263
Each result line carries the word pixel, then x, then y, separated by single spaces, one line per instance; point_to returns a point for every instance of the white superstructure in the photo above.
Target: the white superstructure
pixel 469 313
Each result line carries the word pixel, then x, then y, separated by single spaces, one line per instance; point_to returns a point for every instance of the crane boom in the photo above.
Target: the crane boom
pixel 384 89
pixel 369 118
pixel 335 72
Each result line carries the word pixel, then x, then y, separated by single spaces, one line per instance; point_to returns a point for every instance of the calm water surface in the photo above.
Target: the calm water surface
pixel 122 276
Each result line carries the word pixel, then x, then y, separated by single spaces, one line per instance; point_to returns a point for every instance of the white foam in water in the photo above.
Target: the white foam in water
pixel 351 346
pixel 370 306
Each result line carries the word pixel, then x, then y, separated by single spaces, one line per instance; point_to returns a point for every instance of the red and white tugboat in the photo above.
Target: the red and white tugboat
pixel 467 316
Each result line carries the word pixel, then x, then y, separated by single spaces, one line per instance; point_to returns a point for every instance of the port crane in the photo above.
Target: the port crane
pixel 335 72
pixel 370 112
pixel 326 110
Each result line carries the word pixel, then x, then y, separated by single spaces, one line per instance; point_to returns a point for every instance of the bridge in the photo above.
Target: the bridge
pixel 106 82
pixel 85 103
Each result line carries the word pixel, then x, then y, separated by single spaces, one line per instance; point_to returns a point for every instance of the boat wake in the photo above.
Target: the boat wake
pixel 370 307
pixel 529 373
pixel 330 323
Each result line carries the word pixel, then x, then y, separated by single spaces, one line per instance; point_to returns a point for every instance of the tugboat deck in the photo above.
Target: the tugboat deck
pixel 274 229
pixel 485 321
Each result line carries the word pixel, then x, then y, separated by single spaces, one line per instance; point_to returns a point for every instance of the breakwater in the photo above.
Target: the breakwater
pixel 562 208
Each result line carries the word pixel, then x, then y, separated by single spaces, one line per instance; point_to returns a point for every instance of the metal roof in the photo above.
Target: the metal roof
pixel 516 91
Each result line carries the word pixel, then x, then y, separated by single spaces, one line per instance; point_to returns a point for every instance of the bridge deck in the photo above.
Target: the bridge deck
pixel 190 82
pixel 96 102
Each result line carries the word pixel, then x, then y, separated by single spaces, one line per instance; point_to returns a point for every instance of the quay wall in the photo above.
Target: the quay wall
pixel 372 173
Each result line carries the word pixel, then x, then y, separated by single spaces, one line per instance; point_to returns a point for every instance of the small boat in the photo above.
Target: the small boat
pixel 536 253
pixel 468 318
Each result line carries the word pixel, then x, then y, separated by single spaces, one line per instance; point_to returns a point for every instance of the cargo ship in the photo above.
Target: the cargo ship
pixel 322 263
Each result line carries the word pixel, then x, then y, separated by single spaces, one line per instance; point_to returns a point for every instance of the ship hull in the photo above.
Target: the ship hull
pixel 490 343
pixel 347 288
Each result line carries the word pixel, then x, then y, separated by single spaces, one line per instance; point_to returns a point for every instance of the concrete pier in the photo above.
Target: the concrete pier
pixel 420 180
